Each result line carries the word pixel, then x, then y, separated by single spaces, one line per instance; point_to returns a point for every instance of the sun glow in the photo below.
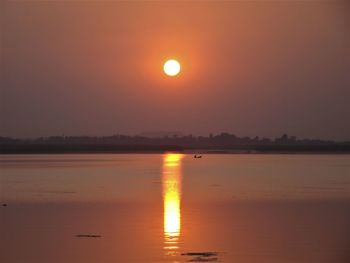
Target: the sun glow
pixel 171 182
pixel 171 67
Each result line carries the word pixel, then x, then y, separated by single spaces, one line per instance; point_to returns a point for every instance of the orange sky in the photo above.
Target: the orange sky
pixel 250 68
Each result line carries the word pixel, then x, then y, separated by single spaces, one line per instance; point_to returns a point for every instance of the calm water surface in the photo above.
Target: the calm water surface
pixel 174 208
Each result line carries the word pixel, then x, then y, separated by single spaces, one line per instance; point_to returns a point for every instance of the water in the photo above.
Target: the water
pixel 174 208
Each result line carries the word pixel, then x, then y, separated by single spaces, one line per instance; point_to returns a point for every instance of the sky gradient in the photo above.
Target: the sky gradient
pixel 248 67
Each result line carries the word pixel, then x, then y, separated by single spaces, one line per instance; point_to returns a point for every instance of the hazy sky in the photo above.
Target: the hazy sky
pixel 248 67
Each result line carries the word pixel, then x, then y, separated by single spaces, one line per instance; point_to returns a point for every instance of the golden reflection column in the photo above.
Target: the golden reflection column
pixel 171 182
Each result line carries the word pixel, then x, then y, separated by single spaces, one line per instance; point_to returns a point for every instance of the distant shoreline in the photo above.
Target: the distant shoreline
pixel 110 148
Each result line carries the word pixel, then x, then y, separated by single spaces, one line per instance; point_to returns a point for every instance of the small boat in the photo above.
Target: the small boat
pixel 197 156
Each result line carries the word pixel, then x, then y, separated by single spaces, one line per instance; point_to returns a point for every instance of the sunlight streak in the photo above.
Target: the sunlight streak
pixel 171 182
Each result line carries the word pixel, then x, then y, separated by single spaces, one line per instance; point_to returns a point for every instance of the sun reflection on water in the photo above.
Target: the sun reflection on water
pixel 171 182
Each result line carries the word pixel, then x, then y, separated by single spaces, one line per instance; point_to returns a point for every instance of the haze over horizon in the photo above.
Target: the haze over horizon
pixel 95 68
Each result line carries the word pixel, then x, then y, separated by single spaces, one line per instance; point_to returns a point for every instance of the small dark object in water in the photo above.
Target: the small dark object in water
pixel 88 236
pixel 203 259
pixel 201 254
pixel 4 204
pixel 197 156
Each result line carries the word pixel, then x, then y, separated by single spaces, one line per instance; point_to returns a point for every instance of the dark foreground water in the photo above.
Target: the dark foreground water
pixel 174 208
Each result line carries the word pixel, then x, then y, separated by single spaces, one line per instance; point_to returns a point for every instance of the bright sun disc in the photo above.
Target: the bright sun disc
pixel 172 67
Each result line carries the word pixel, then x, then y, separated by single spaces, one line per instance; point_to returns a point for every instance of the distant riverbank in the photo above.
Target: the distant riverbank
pixel 29 148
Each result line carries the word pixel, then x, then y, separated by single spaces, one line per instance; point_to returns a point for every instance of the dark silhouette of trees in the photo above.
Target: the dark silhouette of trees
pixel 126 143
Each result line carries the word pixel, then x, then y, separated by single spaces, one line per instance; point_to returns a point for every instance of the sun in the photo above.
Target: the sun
pixel 171 67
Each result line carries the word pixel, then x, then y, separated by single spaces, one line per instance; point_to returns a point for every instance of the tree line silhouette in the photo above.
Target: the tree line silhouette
pixel 128 143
